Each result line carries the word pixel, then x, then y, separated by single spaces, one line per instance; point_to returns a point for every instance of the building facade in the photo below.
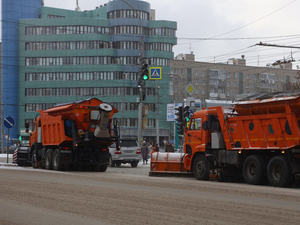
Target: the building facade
pixel 226 81
pixel 66 55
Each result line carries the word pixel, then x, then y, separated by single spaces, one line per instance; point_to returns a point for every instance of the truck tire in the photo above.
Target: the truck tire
pixel 103 168
pixel 254 170
pixel 201 168
pixel 134 164
pixel 57 165
pixel 279 172
pixel 49 161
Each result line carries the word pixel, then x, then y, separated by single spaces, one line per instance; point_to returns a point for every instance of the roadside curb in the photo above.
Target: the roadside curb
pixel 8 164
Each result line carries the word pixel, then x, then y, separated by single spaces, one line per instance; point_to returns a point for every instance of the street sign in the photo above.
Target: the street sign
pixel 190 89
pixel 9 122
pixel 155 73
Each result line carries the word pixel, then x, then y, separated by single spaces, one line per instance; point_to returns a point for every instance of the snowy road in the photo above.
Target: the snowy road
pixel 128 195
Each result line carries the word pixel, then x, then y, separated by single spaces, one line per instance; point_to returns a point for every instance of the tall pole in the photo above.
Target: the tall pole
pixel 181 86
pixel 157 113
pixel 141 82
pixel 124 76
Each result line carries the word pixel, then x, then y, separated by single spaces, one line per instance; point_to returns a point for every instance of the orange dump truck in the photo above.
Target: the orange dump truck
pixel 74 134
pixel 258 140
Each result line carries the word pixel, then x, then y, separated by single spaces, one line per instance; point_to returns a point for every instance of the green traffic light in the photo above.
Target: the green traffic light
pixel 145 77
pixel 187 119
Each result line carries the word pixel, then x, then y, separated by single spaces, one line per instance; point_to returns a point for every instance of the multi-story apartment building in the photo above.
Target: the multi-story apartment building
pixel 65 55
pixel 225 81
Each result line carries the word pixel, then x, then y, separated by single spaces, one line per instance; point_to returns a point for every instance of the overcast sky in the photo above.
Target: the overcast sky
pixel 231 27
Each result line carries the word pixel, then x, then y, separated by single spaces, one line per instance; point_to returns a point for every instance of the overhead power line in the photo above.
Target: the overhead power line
pixel 273 45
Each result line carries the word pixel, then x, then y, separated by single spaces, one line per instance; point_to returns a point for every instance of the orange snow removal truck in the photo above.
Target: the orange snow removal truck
pixel 257 140
pixel 74 134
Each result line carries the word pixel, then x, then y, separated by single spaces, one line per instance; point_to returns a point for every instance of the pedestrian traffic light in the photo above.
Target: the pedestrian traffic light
pixel 179 115
pixel 180 129
pixel 20 138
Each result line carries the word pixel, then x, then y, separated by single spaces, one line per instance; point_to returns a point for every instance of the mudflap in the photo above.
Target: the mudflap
pixel 167 163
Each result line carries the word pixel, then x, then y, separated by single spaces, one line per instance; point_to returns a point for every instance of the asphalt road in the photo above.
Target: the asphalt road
pixel 125 195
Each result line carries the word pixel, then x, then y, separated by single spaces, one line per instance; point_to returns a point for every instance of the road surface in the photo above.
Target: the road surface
pixel 128 195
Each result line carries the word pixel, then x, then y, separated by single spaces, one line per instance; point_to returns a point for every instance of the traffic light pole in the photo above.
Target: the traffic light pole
pixel 141 85
pixel 141 89
pixel 175 133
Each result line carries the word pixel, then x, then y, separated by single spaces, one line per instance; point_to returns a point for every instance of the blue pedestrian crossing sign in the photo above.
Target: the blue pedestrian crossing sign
pixel 155 73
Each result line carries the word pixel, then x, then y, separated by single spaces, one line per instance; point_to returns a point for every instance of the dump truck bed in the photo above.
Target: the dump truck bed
pixel 262 123
pixel 53 119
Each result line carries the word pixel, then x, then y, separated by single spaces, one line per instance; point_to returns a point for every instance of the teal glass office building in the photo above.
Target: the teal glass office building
pixel 65 55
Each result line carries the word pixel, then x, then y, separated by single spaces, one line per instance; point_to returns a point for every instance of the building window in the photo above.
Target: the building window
pixel 182 71
pixel 203 73
pixel 228 83
pixel 196 72
pixel 196 82
pixel 203 91
pixel 228 75
pixel 56 30
pixel 203 82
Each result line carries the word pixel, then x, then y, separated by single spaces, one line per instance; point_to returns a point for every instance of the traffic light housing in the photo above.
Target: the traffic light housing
pixel 186 114
pixel 180 129
pixel 179 120
pixel 144 69
pixel 179 115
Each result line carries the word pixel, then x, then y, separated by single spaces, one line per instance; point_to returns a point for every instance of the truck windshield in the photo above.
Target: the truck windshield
pixel 196 124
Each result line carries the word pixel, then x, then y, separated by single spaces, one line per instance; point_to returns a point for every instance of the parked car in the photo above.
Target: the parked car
pixel 129 152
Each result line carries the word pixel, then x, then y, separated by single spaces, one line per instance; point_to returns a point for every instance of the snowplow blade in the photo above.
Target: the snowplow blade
pixel 167 163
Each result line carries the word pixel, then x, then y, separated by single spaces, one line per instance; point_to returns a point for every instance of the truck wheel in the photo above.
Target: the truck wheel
pixel 279 172
pixel 134 164
pixel 201 168
pixel 57 165
pixel 103 168
pixel 48 163
pixel 254 170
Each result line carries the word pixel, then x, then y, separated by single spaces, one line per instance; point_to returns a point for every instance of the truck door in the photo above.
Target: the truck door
pixel 194 136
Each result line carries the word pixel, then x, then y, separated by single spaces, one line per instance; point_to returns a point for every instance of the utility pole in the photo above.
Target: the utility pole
pixel 124 76
pixel 141 80
pixel 157 112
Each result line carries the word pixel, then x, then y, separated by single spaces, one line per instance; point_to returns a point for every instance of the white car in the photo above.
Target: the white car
pixel 129 152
